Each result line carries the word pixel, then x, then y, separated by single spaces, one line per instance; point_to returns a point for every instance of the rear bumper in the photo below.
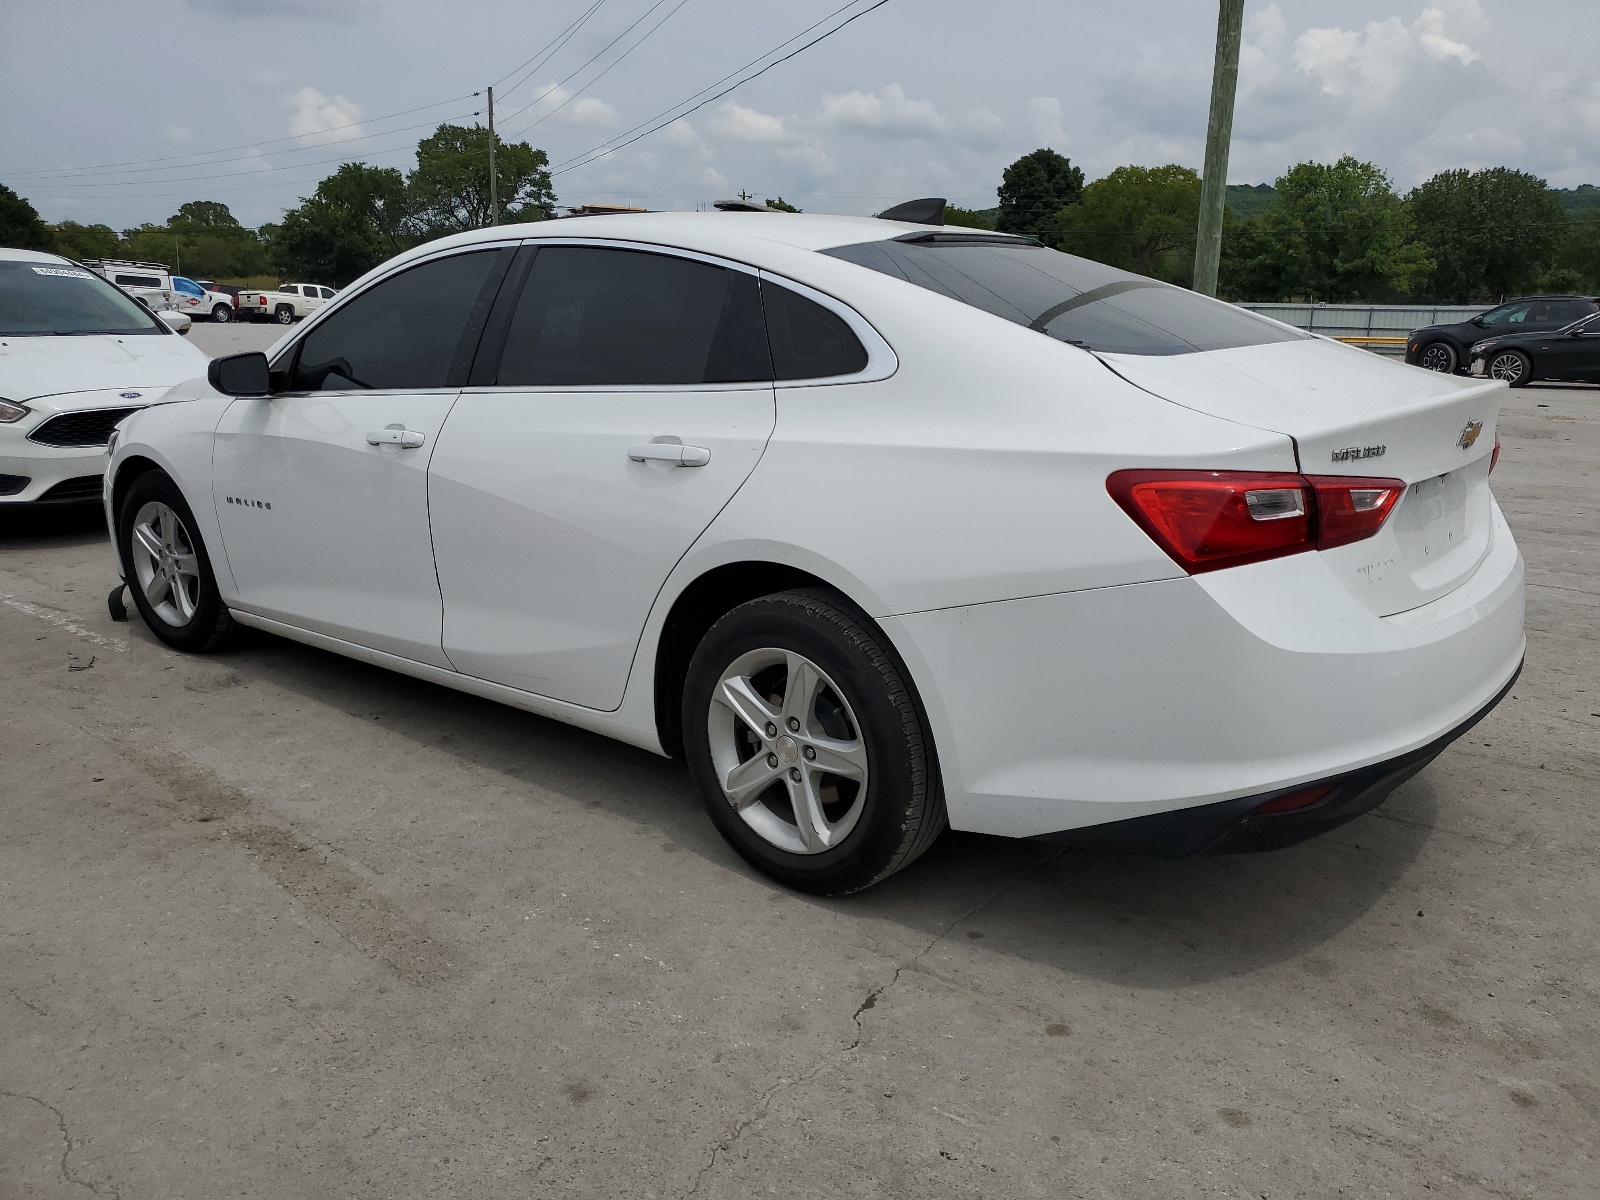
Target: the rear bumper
pixel 1059 713
pixel 1234 827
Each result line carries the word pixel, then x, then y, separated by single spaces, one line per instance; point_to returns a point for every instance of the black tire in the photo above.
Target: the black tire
pixel 209 627
pixel 222 313
pixel 903 810
pixel 283 315
pixel 1512 367
pixel 1439 356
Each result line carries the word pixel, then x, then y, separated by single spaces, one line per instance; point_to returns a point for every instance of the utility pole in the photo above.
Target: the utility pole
pixel 494 184
pixel 1219 136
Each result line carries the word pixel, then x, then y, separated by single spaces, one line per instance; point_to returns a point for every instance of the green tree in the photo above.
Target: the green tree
pixel 358 217
pixel 152 243
pixel 86 241
pixel 21 227
pixel 1033 190
pixel 781 205
pixel 450 186
pixel 1338 232
pixel 1490 233
pixel 1578 256
pixel 969 218
pixel 1141 219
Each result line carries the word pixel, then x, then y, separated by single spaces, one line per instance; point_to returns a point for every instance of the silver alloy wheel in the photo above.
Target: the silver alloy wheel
pixel 788 750
pixel 284 315
pixel 1439 357
pixel 1508 367
pixel 165 565
pixel 222 314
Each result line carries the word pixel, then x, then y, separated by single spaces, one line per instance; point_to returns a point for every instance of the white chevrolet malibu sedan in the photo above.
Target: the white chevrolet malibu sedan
pixel 77 355
pixel 882 527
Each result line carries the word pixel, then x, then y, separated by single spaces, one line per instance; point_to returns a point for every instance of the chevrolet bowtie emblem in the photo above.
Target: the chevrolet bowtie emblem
pixel 1470 434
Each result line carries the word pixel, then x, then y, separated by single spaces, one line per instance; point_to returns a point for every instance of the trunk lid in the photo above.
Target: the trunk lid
pixel 1353 413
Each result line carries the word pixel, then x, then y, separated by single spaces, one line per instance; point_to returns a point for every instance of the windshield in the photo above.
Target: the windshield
pixel 1070 299
pixel 57 298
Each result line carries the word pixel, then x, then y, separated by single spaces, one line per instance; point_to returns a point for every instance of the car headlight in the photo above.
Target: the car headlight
pixel 11 412
pixel 1482 347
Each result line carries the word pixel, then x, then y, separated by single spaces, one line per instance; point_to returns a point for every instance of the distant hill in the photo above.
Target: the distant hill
pixel 1249 199
pixel 1580 200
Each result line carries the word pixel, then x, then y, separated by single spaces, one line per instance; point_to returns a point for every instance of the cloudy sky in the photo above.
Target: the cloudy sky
pixel 119 112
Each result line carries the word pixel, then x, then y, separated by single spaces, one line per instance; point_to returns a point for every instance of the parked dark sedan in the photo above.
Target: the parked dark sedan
pixel 1446 347
pixel 1522 357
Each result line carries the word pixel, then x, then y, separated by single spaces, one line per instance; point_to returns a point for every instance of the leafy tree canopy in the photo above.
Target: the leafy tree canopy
pixel 969 218
pixel 1141 219
pixel 1338 233
pixel 86 241
pixel 358 217
pixel 450 186
pixel 782 205
pixel 21 227
pixel 1490 233
pixel 1033 190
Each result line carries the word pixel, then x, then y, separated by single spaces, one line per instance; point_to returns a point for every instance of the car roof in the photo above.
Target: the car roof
pixel 10 254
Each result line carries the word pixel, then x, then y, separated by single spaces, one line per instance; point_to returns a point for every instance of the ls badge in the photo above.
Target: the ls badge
pixel 1470 434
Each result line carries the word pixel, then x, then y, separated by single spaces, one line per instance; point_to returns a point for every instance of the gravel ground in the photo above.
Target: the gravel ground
pixel 277 924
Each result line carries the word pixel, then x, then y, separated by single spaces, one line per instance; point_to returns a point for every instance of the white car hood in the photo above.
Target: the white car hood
pixel 31 367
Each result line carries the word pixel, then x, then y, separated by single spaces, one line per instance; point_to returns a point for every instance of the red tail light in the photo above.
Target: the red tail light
pixel 1206 520
pixel 1494 459
pixel 1294 801
pixel 1349 510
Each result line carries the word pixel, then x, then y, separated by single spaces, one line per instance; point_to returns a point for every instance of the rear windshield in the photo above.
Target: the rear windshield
pixel 57 298
pixel 1070 299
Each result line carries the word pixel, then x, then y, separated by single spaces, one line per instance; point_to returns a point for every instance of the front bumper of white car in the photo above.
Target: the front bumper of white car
pixel 56 454
pixel 1069 716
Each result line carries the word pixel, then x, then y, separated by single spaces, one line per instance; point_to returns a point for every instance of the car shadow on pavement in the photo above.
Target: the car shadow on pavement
pixel 1147 923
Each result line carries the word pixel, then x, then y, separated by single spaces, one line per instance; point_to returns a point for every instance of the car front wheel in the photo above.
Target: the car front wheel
pixel 1512 367
pixel 167 568
pixel 808 746
pixel 222 314
pixel 1438 356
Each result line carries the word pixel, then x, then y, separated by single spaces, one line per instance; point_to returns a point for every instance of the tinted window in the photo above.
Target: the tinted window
pixel 589 317
pixel 1573 310
pixel 144 281
pixel 327 293
pixel 1070 299
pixel 47 298
pixel 414 330
pixel 808 341
pixel 1510 314
pixel 189 286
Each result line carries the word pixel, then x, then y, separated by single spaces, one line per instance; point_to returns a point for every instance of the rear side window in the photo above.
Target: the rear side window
pixel 144 281
pixel 415 330
pixel 1070 299
pixel 593 317
pixel 808 341
pixel 290 289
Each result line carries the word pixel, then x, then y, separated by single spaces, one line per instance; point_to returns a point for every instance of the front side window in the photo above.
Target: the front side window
pixel 50 298
pixel 595 317
pixel 412 331
pixel 1507 314
pixel 1070 299
pixel 188 286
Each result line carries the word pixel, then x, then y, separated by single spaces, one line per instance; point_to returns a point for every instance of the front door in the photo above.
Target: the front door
pixel 633 396
pixel 1571 355
pixel 322 489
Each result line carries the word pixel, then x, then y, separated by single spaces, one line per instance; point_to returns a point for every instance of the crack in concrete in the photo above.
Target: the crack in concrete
pixel 61 1123
pixel 20 999
pixel 764 1105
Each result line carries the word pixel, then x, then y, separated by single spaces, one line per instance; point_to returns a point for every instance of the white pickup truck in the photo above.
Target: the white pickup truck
pixel 285 305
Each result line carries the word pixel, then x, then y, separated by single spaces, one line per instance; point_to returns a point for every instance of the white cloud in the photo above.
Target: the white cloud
pixel 180 134
pixel 680 133
pixel 556 103
pixel 747 124
pixel 1441 21
pixel 1049 121
pixel 1370 66
pixel 253 161
pixel 319 121
pixel 885 113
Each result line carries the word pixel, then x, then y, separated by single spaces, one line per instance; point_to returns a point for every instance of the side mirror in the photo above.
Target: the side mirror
pixel 1479 322
pixel 240 374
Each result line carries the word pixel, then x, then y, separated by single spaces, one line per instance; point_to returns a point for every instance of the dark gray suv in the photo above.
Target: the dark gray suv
pixel 1447 347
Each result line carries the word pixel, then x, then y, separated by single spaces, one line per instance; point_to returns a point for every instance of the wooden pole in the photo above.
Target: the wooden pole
pixel 1219 136
pixel 494 184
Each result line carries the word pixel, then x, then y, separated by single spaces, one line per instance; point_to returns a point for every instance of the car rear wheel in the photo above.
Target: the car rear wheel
pixel 1512 367
pixel 1438 356
pixel 167 568
pixel 222 313
pixel 283 315
pixel 808 747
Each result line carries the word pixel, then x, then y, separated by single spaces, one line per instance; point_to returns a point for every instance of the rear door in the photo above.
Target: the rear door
pixel 623 396
pixel 322 489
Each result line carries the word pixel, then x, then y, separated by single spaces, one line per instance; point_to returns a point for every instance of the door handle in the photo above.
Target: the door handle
pixel 396 435
pixel 675 453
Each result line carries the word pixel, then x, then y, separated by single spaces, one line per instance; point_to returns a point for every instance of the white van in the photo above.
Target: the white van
pixel 149 282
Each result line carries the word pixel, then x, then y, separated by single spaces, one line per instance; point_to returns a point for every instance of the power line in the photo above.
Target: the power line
pixel 606 148
pixel 526 129
pixel 549 50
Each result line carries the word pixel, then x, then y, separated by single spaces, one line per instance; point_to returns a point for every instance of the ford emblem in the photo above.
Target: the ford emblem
pixel 130 395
